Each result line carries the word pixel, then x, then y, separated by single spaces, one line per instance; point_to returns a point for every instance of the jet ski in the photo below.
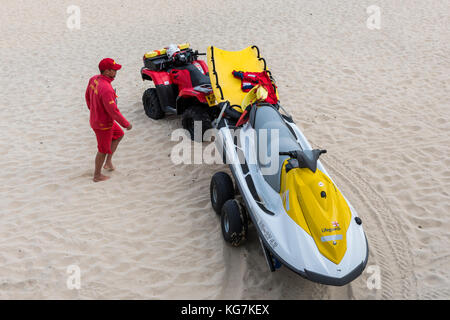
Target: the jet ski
pixel 302 219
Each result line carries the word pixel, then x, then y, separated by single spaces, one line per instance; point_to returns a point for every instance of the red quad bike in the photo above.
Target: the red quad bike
pixel 182 87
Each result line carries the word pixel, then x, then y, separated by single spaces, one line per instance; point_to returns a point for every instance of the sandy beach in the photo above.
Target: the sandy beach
pixel 377 99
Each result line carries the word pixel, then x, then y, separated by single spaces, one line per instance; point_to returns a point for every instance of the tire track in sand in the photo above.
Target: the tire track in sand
pixel 389 246
pixel 247 275
pixel 235 269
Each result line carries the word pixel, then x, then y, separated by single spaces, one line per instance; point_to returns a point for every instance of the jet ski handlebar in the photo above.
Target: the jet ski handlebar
pixel 295 153
pixel 289 153
pixel 304 158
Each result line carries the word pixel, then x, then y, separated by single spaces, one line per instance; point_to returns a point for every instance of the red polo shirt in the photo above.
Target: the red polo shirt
pixel 101 101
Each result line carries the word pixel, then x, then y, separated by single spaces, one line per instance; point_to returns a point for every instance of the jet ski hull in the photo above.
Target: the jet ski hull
pixel 281 236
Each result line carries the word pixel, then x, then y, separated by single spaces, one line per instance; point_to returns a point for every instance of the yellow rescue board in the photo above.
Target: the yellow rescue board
pixel 223 63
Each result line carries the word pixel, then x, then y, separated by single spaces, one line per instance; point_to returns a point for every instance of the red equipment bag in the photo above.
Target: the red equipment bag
pixel 251 79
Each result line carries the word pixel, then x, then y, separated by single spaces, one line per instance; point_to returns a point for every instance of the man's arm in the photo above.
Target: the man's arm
pixel 109 102
pixel 87 97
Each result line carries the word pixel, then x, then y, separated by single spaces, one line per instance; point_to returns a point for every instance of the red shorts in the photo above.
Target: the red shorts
pixel 105 137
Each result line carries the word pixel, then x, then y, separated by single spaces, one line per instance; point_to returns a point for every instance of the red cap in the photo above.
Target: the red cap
pixel 108 63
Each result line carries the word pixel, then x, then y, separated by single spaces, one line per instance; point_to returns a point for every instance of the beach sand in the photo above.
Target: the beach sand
pixel 377 100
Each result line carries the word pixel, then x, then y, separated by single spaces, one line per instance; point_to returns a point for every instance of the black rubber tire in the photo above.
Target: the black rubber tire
pixel 221 189
pixel 234 223
pixel 152 107
pixel 196 113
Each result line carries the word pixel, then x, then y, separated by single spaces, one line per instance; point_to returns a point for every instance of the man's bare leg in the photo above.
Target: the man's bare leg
pixel 108 165
pixel 99 160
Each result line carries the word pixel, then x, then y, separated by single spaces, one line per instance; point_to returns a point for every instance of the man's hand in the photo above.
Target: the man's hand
pixel 129 127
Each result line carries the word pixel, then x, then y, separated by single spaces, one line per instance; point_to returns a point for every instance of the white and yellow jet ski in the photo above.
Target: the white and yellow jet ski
pixel 302 219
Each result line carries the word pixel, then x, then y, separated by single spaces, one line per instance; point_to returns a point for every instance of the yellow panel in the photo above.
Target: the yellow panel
pixel 224 63
pixel 323 218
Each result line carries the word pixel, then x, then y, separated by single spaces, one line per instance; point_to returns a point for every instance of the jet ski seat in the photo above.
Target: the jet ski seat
pixel 267 118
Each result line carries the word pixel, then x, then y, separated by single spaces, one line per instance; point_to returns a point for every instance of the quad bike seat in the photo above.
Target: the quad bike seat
pixel 267 118
pixel 196 76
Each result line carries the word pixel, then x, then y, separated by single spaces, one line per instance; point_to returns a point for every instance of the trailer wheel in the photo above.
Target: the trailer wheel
pixel 234 223
pixel 152 107
pixel 221 189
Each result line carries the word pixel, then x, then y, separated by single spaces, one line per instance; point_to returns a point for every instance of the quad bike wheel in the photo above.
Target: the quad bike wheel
pixel 196 114
pixel 234 223
pixel 151 103
pixel 221 189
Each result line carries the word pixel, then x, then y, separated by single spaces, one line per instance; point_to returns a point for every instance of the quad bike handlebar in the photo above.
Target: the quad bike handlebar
pixel 187 56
